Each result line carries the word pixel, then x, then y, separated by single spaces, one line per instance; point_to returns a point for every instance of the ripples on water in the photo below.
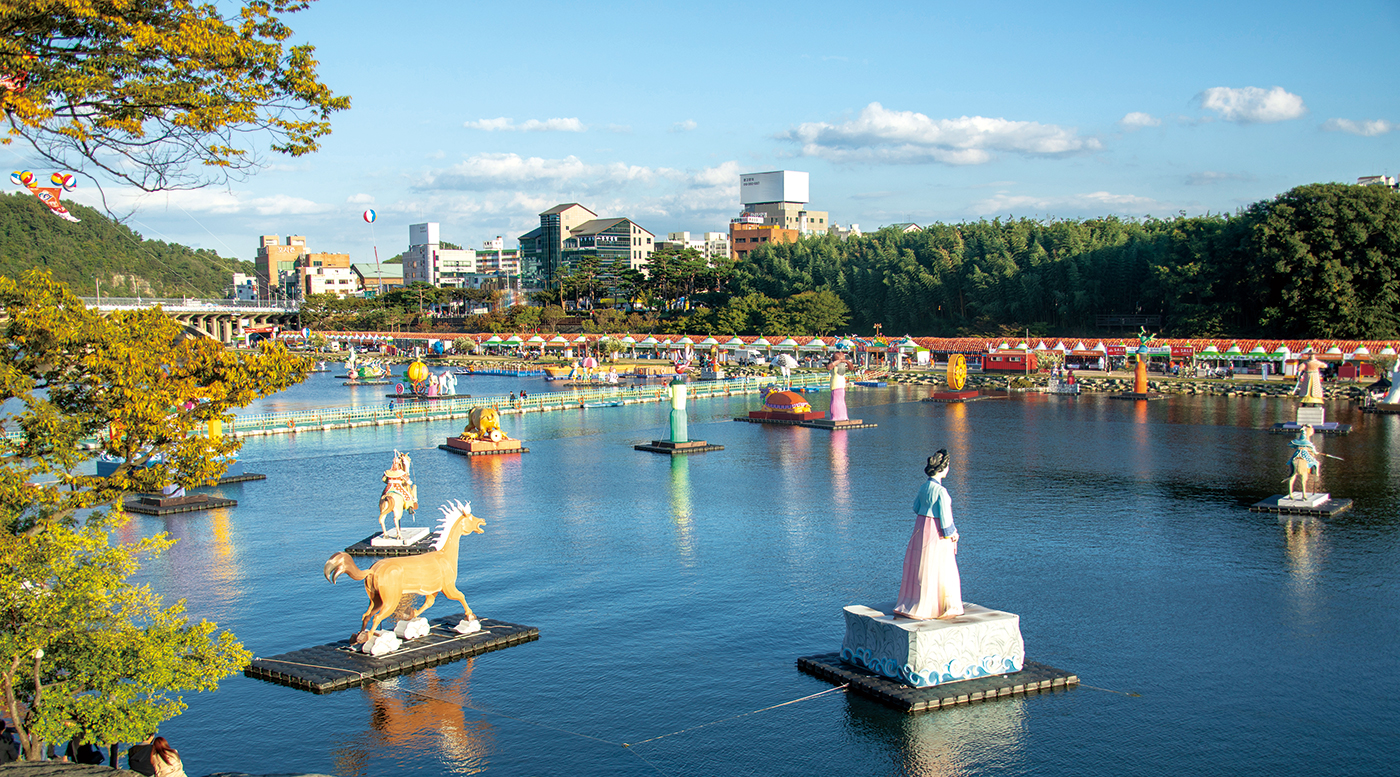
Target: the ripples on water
pixel 674 593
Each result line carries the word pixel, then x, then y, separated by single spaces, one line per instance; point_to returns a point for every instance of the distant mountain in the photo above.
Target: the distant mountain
pixel 99 248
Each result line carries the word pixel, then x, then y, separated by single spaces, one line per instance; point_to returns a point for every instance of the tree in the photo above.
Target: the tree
pixel 84 650
pixel 160 93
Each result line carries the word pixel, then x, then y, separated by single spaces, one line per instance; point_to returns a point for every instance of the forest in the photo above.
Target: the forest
pixel 1321 260
pixel 100 249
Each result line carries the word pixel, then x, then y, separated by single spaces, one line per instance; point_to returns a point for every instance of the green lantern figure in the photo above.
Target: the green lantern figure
pixel 677 391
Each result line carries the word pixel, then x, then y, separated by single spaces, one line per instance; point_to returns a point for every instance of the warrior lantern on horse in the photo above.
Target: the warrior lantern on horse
pixel 400 493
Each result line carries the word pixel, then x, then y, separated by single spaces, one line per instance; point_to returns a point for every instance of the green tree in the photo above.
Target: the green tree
pixel 82 648
pixel 160 93
pixel 816 312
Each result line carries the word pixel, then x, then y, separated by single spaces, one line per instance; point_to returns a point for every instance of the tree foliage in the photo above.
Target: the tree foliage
pixel 83 649
pixel 160 94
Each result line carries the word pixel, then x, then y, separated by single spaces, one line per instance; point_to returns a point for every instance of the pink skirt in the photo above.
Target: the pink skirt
pixel 930 587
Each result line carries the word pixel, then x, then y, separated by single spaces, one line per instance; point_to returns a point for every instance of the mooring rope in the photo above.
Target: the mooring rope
pixel 841 687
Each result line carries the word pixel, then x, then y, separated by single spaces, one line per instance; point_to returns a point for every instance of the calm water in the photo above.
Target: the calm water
pixel 675 593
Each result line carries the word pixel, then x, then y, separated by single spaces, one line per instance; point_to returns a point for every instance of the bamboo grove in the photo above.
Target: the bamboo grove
pixel 1321 260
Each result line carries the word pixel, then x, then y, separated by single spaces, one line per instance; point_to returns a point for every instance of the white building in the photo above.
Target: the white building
pixel 1388 181
pixel 340 281
pixel 245 287
pixel 426 261
pixel 713 245
pixel 845 232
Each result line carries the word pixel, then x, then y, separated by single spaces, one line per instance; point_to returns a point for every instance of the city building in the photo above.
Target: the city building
pixel 375 279
pixel 544 255
pixel 245 287
pixel 610 240
pixel 426 261
pixel 844 232
pixel 780 197
pixel 746 236
pixel 494 257
pixel 275 264
pixel 712 245
pixel 906 228
pixel 1388 181
pixel 326 279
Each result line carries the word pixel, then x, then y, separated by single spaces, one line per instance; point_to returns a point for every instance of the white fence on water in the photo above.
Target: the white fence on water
pixel 423 409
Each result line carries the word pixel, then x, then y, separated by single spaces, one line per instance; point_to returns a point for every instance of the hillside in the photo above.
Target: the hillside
pixel 98 247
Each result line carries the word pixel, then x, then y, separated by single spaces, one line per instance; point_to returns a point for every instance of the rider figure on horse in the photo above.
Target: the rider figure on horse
pixel 396 480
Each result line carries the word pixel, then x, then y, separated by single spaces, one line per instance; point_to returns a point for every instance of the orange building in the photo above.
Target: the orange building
pixel 744 237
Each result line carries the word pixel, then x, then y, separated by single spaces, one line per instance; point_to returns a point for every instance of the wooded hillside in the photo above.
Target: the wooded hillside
pixel 98 247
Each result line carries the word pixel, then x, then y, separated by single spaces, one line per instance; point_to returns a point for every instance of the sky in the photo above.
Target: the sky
pixel 480 115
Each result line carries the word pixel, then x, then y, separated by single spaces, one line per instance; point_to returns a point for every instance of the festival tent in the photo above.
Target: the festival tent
pixel 709 341
pixel 685 341
pixel 650 342
pixel 788 344
pixel 514 340
pixel 816 344
pixel 733 344
pixel 536 340
pixel 558 341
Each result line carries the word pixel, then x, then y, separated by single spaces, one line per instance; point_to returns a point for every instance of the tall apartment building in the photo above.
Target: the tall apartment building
pixel 426 261
pixel 569 231
pixel 494 257
pixel 275 264
pixel 780 197
pixel 746 236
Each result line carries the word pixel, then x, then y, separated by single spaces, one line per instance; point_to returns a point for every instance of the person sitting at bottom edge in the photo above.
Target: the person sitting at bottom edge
pixel 166 759
pixel 930 587
pixel 138 757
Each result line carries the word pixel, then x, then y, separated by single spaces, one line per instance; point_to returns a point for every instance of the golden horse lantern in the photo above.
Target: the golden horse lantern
pixel 428 574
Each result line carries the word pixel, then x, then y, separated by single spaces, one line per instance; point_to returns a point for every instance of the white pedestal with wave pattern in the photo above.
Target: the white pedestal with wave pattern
pixel 980 643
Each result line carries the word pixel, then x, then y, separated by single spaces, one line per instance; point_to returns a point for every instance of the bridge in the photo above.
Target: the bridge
pixel 217 319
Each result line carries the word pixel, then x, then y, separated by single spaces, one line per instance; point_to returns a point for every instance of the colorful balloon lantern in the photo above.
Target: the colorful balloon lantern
pixel 369 216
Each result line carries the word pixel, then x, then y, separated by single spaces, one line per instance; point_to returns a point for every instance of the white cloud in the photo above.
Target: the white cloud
pixel 360 199
pixel 1252 105
pixel 880 135
pixel 684 126
pixel 1366 128
pixel 1137 120
pixel 1092 204
pixel 530 125
pixel 488 171
pixel 1211 177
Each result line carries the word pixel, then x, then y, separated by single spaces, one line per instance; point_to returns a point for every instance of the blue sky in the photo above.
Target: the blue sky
pixel 480 115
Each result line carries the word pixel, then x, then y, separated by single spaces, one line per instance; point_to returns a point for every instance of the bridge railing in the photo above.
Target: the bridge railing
pixel 188 304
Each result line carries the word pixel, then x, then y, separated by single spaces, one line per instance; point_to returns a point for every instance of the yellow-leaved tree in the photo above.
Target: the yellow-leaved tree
pixel 83 652
pixel 161 94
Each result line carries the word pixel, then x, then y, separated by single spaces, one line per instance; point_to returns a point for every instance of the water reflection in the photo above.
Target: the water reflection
pixel 840 468
pixel 681 506
pixel 1306 547
pixel 984 737
pixel 429 718
pixel 490 474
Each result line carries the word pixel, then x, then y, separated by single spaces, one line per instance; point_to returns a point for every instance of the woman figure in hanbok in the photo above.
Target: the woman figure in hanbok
pixel 930 587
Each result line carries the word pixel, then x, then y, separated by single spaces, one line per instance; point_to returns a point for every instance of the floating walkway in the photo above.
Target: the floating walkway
pixel 459 406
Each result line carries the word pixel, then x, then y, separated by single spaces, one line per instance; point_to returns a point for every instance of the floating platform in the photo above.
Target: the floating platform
pixel 1033 678
pixel 243 478
pixel 426 397
pixel 338 665
pixel 482 447
pixel 1331 429
pixel 831 426
pixel 677 448
pixel 368 383
pixel 167 505
pixel 1136 395
pixel 1327 509
pixel 948 397
pixel 871 383
pixel 614 403
pixel 365 548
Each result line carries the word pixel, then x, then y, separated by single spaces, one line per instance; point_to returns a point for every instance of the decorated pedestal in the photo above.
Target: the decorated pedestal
pixel 168 504
pixel 403 537
pixel 953 396
pixel 680 442
pixel 482 447
pixel 979 643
